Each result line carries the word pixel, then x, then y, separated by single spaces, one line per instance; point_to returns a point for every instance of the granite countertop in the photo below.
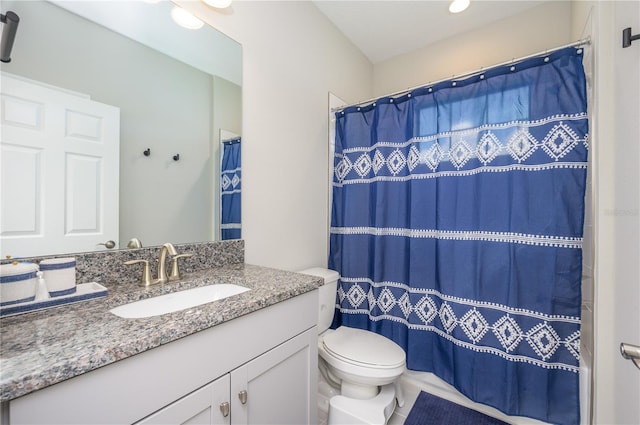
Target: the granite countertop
pixel 42 348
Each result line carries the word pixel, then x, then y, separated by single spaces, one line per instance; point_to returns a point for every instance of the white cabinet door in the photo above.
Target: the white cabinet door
pixel 60 176
pixel 201 407
pixel 280 385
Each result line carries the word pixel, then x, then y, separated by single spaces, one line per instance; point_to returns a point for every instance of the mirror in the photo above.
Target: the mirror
pixel 175 89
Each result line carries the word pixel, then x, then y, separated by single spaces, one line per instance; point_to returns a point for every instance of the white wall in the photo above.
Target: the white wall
pixel 533 31
pixel 292 58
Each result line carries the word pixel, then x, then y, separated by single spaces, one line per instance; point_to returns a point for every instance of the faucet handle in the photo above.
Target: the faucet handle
pixel 175 271
pixel 146 272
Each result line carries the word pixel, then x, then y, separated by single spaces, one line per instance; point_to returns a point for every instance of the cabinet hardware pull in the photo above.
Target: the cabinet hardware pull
pixel 224 408
pixel 243 396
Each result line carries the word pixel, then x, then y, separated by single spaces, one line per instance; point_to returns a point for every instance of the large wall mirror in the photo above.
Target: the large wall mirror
pixel 177 92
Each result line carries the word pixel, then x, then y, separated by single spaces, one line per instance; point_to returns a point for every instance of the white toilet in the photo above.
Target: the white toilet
pixel 363 365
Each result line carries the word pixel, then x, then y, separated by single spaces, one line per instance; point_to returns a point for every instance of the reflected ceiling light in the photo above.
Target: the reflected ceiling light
pixel 218 4
pixel 458 6
pixel 185 19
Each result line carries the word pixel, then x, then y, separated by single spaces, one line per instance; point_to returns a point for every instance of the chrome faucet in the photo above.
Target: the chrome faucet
pixel 162 262
pixel 165 249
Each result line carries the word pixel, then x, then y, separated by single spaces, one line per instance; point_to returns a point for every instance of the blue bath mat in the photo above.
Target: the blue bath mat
pixel 431 410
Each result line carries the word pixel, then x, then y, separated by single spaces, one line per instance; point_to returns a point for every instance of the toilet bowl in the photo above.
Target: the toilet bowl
pixel 362 360
pixel 363 366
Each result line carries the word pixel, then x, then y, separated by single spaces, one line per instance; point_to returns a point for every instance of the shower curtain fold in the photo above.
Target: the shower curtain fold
pixel 457 228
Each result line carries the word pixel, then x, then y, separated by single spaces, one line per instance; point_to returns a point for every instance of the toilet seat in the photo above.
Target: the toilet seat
pixel 363 348
pixel 361 358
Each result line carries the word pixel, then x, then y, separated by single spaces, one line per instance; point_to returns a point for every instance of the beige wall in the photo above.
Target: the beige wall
pixel 530 32
pixel 292 58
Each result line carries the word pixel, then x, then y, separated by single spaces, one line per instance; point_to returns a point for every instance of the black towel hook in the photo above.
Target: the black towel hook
pixel 147 152
pixel 627 38
pixel 176 157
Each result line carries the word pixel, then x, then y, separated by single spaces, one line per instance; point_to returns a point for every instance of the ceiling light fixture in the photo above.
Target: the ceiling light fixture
pixel 458 6
pixel 185 19
pixel 218 4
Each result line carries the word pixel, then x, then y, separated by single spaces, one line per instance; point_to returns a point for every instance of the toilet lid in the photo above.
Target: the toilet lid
pixel 364 347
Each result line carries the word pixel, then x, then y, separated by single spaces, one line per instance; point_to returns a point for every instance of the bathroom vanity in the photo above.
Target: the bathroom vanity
pixel 248 358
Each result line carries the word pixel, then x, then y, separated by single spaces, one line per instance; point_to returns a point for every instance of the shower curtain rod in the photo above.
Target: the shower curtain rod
pixel 584 41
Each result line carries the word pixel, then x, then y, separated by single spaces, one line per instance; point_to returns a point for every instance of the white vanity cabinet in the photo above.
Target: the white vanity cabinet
pixel 202 407
pixel 270 353
pixel 274 388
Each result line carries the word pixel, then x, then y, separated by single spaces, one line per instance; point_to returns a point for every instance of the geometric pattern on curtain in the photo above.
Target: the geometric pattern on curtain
pixel 457 220
pixel 231 190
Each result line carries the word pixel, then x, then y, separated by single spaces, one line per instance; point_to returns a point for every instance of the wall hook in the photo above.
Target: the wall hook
pixel 627 38
pixel 10 21
pixel 176 157
pixel 147 152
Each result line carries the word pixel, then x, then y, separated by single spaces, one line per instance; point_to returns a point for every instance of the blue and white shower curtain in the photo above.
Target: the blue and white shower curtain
pixel 231 190
pixel 457 222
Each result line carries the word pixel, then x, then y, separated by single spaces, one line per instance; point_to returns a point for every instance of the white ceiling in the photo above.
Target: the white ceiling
pixel 382 29
pixel 150 23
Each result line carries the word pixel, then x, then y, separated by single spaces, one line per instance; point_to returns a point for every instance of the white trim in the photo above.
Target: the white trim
pixel 482 169
pixel 506 237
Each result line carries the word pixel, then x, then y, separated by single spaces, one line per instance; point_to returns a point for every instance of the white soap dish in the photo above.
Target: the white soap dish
pixel 84 292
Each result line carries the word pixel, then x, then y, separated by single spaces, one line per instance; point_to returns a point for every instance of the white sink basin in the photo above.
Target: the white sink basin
pixel 177 301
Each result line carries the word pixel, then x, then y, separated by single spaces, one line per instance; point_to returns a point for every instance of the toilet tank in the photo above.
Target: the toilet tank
pixel 326 296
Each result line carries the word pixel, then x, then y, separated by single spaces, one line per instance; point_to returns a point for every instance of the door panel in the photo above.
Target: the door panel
pixel 201 407
pixel 278 385
pixel 616 384
pixel 60 176
pixel 21 183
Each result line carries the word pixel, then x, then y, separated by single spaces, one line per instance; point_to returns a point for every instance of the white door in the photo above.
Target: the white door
pixel 617 267
pixel 626 213
pixel 59 177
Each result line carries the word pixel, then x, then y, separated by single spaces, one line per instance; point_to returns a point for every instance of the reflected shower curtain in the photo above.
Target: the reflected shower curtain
pixel 230 182
pixel 457 222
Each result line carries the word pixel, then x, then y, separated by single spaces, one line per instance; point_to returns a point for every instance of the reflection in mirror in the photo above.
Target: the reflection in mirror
pixel 170 99
pixel 230 185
